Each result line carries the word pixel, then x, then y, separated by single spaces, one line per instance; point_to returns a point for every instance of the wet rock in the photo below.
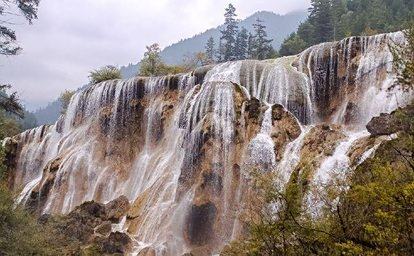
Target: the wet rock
pixel 147 252
pixel 387 124
pixel 200 222
pixel 285 129
pixel 253 108
pixel 212 180
pixel 117 242
pixel 117 208
pixel 104 228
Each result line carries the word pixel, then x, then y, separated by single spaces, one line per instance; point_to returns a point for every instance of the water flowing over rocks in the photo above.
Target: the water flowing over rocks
pixel 175 152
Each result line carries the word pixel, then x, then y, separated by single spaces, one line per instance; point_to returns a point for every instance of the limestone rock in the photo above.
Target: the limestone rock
pixel 117 242
pixel 200 223
pixel 117 208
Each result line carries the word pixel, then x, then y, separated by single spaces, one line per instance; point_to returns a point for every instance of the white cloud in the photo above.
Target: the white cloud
pixel 72 37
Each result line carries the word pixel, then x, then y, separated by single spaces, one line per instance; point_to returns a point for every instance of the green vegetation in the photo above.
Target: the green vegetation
pixel 104 74
pixel 404 59
pixel 238 44
pixel 65 98
pixel 19 232
pixel 331 20
pixel 152 65
pixel 373 215
pixel 8 39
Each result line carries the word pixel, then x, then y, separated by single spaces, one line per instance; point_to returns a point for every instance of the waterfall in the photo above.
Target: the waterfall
pixel 177 146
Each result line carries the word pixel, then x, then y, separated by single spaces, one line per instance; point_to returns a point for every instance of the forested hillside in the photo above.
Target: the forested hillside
pixel 331 20
pixel 278 28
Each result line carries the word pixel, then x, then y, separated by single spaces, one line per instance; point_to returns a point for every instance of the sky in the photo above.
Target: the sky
pixel 72 37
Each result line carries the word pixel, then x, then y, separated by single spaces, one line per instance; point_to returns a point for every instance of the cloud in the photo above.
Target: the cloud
pixel 72 37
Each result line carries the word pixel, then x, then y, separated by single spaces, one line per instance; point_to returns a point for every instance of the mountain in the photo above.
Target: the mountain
pixel 278 28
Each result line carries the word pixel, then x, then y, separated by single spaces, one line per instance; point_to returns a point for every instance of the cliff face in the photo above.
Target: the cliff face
pixel 180 148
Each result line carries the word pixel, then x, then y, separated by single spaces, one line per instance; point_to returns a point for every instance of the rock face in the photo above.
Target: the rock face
pixel 90 226
pixel 182 148
pixel 387 124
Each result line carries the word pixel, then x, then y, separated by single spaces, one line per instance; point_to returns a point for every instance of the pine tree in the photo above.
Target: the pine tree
pixel 321 18
pixel 262 44
pixel 229 34
pixel 338 10
pixel 210 50
pixel 250 46
pixel 242 44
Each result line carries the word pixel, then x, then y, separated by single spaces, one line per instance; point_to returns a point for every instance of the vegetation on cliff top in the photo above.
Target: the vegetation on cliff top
pixel 331 20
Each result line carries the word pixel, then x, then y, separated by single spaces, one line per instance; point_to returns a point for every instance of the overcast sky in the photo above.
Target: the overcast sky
pixel 72 37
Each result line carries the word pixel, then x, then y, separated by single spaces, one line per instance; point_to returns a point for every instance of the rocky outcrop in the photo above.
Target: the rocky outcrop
pixel 387 124
pixel 286 128
pixel 90 226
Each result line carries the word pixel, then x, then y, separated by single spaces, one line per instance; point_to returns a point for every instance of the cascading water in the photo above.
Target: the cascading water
pixel 178 146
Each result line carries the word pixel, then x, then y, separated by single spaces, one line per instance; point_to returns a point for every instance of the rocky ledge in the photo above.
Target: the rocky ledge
pixel 89 229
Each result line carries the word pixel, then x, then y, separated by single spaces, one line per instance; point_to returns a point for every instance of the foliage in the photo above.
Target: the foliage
pixel 262 48
pixel 193 61
pixel 336 19
pixel 8 39
pixel 152 64
pixel 292 45
pixel 64 99
pixel 238 44
pixel 19 232
pixel 229 34
pixel 242 44
pixel 104 74
pixel 210 51
pixel 10 102
pixel 404 59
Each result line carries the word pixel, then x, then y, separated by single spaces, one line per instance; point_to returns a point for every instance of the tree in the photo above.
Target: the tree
pixel 193 61
pixel 292 45
pixel 404 59
pixel 229 34
pixel 152 64
pixel 242 44
pixel 321 18
pixel 64 99
pixel 262 48
pixel 104 74
pixel 8 39
pixel 210 50
pixel 250 46
pixel 10 102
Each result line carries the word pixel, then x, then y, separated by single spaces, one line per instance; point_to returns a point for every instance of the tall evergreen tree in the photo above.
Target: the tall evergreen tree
pixel 338 10
pixel 242 44
pixel 321 18
pixel 210 50
pixel 262 44
pixel 229 34
pixel 250 46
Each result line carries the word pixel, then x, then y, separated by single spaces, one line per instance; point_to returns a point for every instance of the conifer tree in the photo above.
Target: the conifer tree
pixel 242 44
pixel 229 34
pixel 321 18
pixel 250 46
pixel 262 44
pixel 210 50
